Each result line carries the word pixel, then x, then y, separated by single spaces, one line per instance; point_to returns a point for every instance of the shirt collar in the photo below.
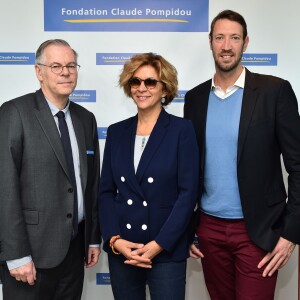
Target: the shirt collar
pixel 240 82
pixel 55 110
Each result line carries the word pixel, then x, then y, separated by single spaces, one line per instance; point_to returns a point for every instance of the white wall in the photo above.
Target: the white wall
pixel 273 28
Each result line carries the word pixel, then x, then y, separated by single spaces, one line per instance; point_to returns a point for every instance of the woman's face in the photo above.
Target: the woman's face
pixel 147 98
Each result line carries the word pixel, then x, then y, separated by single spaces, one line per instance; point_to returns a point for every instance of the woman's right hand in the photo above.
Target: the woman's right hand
pixel 125 247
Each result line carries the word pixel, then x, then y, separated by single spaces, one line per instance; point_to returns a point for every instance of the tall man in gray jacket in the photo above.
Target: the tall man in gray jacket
pixel 49 159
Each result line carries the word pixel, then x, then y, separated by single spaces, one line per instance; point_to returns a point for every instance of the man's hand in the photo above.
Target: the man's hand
pixel 93 256
pixel 278 257
pixel 25 273
pixel 195 252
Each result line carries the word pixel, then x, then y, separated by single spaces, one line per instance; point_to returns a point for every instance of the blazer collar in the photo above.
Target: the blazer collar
pixel 201 117
pixel 46 120
pixel 249 101
pixel 128 142
pixel 80 136
pixel 153 143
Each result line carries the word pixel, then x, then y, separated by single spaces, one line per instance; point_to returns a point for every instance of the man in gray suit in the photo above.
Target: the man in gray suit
pixel 49 159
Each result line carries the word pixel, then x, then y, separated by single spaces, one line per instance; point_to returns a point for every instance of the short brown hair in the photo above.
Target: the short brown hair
pixel 167 73
pixel 231 16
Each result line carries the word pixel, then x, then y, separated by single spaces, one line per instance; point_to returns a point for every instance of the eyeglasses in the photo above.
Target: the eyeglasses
pixel 57 69
pixel 150 83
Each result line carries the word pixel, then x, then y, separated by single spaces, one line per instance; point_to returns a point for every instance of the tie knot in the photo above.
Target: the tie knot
pixel 60 114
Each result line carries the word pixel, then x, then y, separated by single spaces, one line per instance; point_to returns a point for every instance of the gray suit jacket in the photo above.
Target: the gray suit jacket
pixel 36 197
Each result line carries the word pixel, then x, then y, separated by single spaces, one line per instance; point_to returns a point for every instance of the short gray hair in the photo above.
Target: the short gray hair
pixel 44 45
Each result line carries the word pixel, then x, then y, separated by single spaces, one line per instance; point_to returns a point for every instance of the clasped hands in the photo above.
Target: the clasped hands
pixel 138 255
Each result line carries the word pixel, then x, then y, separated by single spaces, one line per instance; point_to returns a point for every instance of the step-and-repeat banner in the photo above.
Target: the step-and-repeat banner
pixel 107 33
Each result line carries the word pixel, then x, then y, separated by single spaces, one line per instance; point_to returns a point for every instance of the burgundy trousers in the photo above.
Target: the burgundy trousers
pixel 230 261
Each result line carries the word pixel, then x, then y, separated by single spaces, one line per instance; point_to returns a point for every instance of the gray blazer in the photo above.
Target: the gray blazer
pixel 36 197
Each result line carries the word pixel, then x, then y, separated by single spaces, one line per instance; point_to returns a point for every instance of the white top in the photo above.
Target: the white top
pixel 139 146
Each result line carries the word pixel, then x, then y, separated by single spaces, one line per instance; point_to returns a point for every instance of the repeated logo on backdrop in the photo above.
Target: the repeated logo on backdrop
pixel 113 58
pixel 130 15
pixel 17 58
pixel 259 59
pixel 83 96
pixel 120 15
pixel 103 278
pixel 102 132
pixel 180 97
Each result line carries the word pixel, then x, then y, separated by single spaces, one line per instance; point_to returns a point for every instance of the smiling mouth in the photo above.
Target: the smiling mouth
pixel 226 55
pixel 142 97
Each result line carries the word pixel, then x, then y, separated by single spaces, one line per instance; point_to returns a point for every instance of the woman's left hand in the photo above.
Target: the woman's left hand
pixel 150 250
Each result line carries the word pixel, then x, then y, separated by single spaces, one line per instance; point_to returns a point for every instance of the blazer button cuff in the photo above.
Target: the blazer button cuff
pixel 70 190
pixel 69 216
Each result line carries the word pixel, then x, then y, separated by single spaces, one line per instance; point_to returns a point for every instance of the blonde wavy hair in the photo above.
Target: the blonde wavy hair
pixel 167 73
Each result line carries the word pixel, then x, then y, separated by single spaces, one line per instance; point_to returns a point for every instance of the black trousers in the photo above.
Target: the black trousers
pixel 64 282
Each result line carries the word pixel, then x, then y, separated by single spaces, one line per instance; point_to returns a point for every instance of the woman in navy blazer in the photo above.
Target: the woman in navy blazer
pixel 149 187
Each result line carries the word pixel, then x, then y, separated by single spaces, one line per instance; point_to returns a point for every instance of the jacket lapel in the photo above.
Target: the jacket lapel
pixel 153 143
pixel 127 145
pixel 46 120
pixel 200 119
pixel 248 105
pixel 80 136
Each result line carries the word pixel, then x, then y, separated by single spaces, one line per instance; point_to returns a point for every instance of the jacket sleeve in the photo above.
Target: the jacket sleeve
pixel 95 230
pixel 288 133
pixel 107 193
pixel 188 169
pixel 14 242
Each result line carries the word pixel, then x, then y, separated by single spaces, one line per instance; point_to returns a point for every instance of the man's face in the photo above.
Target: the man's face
pixel 57 87
pixel 227 44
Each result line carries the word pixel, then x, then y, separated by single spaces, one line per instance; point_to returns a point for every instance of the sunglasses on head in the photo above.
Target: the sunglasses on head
pixel 150 83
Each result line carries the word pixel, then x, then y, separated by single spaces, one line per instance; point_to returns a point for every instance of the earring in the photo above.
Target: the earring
pixel 163 100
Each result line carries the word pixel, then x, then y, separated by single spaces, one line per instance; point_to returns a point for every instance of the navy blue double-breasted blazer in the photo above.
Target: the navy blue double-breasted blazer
pixel 156 202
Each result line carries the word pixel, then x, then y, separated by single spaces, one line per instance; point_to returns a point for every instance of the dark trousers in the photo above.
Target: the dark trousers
pixel 230 261
pixel 63 282
pixel 166 281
